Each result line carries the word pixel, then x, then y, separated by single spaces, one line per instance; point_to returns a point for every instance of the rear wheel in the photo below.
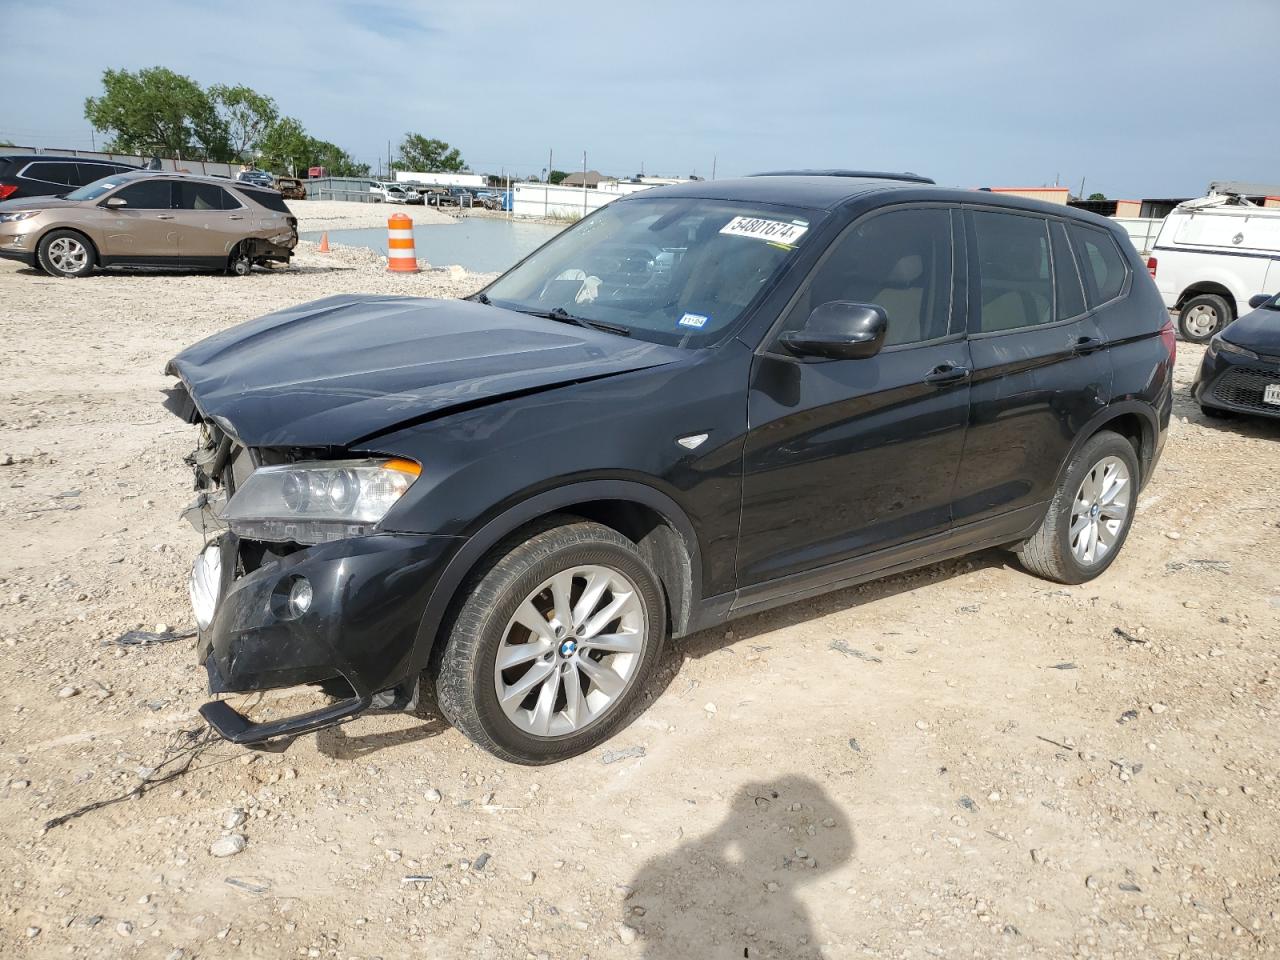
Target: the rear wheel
pixel 65 253
pixel 553 643
pixel 1090 514
pixel 1202 316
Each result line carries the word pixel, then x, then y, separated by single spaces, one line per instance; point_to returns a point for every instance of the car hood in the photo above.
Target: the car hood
pixel 1258 331
pixel 346 369
pixel 37 203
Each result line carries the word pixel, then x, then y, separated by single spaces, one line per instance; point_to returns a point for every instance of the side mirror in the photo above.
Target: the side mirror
pixel 1258 299
pixel 117 202
pixel 839 330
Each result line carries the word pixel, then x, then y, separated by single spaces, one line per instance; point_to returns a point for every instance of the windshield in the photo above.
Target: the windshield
pixel 678 271
pixel 92 191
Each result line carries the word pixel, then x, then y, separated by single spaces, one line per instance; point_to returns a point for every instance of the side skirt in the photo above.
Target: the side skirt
pixel 981 535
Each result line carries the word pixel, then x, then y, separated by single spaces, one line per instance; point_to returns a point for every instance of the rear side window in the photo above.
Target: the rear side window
pixel 272 201
pixel 1015 286
pixel 204 196
pixel 89 172
pixel 1066 279
pixel 50 172
pixel 147 195
pixel 1101 263
pixel 900 260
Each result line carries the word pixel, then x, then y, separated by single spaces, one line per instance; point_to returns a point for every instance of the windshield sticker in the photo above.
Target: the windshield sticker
pixel 695 320
pixel 775 231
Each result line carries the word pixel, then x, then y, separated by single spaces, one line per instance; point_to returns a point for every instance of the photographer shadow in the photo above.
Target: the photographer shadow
pixel 733 892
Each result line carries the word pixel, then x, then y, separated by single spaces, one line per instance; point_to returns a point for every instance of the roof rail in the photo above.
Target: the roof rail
pixel 864 174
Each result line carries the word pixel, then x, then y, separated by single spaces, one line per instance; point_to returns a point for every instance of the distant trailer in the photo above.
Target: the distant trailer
pixel 316 172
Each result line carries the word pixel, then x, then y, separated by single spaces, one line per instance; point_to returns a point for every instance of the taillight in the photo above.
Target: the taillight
pixel 1151 266
pixel 7 190
pixel 1170 340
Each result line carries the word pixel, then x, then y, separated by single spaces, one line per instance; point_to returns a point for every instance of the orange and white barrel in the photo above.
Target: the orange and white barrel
pixel 401 257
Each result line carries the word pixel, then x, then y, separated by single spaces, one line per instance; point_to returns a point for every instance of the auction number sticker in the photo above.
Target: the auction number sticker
pixel 775 231
pixel 695 320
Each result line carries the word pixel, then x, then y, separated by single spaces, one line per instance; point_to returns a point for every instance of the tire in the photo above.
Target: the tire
pixel 542 726
pixel 1202 316
pixel 1054 552
pixel 66 254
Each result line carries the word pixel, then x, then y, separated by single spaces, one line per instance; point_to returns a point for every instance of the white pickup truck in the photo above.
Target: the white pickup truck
pixel 1211 256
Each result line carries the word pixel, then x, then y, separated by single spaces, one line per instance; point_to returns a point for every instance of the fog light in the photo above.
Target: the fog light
pixel 300 597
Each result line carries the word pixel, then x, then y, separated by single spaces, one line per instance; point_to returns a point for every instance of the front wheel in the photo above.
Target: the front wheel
pixel 65 253
pixel 553 643
pixel 1090 514
pixel 1203 316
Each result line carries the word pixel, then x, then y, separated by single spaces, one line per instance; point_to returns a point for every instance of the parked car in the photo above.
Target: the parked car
pixel 149 219
pixel 700 402
pixel 395 193
pixel 1240 372
pixel 41 175
pixel 291 188
pixel 1212 255
pixel 257 178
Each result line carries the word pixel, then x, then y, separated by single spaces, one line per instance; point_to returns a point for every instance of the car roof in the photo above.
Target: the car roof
pixel 827 191
pixel 58 158
pixel 176 175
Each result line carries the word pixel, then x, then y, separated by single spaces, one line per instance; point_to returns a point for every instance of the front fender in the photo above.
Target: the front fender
pixel 540 505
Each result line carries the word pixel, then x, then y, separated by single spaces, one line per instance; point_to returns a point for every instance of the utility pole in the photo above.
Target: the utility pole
pixel 713 166
pixel 388 159
pixel 1081 193
pixel 546 186
pixel 584 183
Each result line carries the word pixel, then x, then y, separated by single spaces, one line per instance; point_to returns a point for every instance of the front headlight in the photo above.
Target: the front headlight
pixel 316 501
pixel 1226 346
pixel 18 215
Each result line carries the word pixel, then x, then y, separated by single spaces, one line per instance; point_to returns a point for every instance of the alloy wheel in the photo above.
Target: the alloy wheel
pixel 67 255
pixel 570 651
pixel 1100 510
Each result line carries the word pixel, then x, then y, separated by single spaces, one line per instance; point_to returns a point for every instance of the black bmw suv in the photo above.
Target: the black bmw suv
pixel 699 402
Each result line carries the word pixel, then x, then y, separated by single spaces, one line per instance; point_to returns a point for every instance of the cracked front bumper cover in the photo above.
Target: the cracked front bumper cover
pixel 368 597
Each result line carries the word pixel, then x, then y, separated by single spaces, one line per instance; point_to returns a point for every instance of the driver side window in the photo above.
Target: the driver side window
pixel 901 261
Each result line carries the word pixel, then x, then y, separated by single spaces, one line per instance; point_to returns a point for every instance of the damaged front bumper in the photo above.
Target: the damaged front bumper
pixel 364 601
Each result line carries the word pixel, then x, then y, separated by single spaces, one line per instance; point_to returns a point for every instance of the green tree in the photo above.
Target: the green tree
pixel 556 177
pixel 1097 196
pixel 431 156
pixel 247 116
pixel 335 160
pixel 156 110
pixel 285 146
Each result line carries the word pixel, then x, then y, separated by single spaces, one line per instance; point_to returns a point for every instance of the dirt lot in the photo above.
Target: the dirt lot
pixel 965 761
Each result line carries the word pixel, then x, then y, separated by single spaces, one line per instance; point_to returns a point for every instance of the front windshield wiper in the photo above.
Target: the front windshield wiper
pixel 561 315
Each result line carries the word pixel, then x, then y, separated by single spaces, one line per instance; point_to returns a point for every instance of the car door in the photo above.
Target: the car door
pixel 845 458
pixel 211 221
pixel 141 230
pixel 1040 367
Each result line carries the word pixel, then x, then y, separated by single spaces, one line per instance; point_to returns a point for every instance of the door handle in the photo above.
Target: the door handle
pixel 947 373
pixel 164 216
pixel 235 218
pixel 1087 345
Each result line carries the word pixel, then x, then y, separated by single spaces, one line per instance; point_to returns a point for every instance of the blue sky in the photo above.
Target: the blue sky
pixel 1151 98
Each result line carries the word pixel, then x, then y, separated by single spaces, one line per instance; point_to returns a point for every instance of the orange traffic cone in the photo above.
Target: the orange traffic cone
pixel 400 255
pixel 324 242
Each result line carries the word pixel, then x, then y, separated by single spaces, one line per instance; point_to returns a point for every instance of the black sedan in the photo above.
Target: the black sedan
pixel 1240 372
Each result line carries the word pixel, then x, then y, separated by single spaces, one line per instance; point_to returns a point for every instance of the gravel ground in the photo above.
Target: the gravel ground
pixel 963 761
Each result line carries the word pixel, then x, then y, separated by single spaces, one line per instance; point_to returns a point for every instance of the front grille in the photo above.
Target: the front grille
pixel 1242 387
